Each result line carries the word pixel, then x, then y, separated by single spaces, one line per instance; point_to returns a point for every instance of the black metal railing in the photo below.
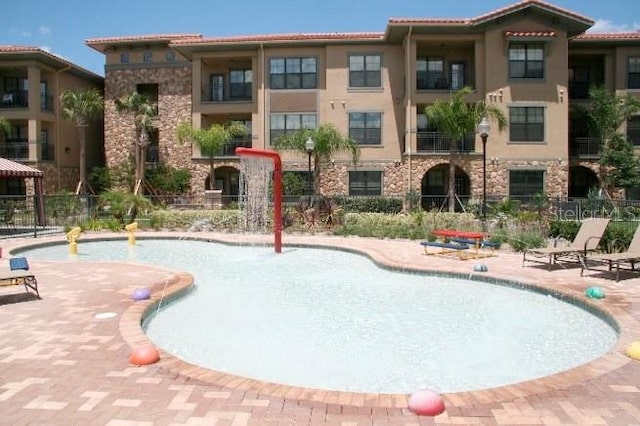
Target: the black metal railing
pixel 437 142
pixel 229 148
pixel 584 147
pixel 15 150
pixel 46 102
pixel 14 99
pixel 239 95
pixel 47 151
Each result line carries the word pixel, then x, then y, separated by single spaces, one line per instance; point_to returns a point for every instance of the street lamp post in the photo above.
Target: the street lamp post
pixel 483 128
pixel 310 146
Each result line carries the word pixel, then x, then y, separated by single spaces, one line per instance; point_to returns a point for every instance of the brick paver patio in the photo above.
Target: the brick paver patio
pixel 61 364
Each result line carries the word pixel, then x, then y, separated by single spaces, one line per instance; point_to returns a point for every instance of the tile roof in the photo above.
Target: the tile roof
pixel 17 49
pixel 142 38
pixel 526 3
pixel 283 37
pixel 493 14
pixel 529 33
pixel 610 36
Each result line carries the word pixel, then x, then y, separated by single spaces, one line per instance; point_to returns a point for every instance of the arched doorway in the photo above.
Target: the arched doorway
pixel 581 180
pixel 434 188
pixel 226 179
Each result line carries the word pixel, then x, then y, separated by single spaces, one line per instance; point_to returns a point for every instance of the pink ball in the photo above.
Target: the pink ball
pixel 426 403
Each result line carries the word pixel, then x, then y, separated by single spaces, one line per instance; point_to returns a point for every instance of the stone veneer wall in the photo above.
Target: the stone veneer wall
pixel 68 178
pixel 174 107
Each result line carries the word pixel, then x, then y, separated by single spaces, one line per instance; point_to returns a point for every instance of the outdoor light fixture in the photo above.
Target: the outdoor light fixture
pixel 310 145
pixel 483 129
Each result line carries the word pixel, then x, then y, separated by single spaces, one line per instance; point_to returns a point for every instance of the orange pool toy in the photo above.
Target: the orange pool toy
pixel 144 355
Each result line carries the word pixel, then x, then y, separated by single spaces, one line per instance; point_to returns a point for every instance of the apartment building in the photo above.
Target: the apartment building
pixel 532 60
pixel 31 81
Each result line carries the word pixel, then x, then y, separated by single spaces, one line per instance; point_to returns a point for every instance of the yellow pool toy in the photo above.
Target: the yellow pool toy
pixel 72 237
pixel 131 229
pixel 633 351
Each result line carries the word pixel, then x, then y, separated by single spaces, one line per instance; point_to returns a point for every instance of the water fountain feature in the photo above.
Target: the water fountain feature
pixel 258 169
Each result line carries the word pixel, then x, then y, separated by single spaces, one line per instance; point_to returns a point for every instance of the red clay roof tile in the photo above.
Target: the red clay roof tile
pixel 283 37
pixel 141 38
pixel 529 33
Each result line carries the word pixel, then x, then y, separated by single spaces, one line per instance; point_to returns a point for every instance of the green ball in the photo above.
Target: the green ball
pixel 595 293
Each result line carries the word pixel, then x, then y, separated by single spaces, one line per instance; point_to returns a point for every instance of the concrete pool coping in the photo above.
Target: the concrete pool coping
pixel 620 303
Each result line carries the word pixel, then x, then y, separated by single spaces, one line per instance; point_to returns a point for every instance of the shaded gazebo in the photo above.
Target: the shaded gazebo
pixel 10 169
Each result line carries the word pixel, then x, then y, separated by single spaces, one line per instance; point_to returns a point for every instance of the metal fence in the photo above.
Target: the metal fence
pixel 19 214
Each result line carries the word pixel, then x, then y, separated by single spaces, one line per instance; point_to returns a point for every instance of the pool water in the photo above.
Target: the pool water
pixel 329 319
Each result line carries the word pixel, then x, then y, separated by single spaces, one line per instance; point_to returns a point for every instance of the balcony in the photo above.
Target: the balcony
pixel 243 93
pixel 438 143
pixel 46 102
pixel 47 152
pixel 15 99
pixel 15 150
pixel 584 147
pixel 229 149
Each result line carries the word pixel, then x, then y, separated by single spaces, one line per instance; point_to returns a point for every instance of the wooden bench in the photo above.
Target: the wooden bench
pixel 18 273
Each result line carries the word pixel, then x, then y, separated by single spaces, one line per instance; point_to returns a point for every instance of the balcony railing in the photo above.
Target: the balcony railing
pixel 437 142
pixel 239 94
pixel 15 150
pixel 47 152
pixel 584 147
pixel 15 99
pixel 229 149
pixel 46 102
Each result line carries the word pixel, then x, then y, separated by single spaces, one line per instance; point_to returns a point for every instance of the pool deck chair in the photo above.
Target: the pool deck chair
pixel 616 260
pixel 587 240
pixel 18 274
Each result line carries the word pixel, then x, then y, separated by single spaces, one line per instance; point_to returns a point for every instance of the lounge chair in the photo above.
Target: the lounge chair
pixel 18 273
pixel 586 240
pixel 631 256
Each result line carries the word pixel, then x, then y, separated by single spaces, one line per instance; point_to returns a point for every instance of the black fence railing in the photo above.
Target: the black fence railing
pixel 437 142
pixel 584 147
pixel 15 149
pixel 24 216
pixel 14 99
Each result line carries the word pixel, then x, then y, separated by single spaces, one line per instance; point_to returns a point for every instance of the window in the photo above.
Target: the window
pixel 526 60
pixel 634 73
pixel 124 58
pixel 366 127
pixel 524 184
pixel 286 124
pixel 293 73
pixel 431 74
pixel 171 56
pixel 457 75
pixel 633 130
pixel 364 71
pixel 147 56
pixel 526 124
pixel 240 86
pixel 365 183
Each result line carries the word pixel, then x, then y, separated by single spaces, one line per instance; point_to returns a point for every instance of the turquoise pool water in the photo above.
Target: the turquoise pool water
pixel 333 320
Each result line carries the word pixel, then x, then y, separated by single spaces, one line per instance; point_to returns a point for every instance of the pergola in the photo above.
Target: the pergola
pixel 11 169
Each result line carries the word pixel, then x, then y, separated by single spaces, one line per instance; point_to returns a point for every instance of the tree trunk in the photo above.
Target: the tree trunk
pixel 211 174
pixel 83 168
pixel 451 194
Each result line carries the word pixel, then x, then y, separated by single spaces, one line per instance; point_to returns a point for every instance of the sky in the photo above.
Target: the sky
pixel 62 26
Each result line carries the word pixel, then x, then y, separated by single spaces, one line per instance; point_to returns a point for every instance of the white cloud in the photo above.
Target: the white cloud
pixel 606 26
pixel 44 30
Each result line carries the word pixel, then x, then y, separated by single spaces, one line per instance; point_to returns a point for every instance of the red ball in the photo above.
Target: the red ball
pixel 426 403
pixel 144 355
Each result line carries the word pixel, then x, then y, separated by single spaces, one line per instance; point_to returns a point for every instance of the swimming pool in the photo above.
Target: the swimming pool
pixel 333 320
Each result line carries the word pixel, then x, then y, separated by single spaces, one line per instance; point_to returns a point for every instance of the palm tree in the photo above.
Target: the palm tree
pixel 144 114
pixel 5 126
pixel 80 107
pixel 327 142
pixel 457 119
pixel 211 140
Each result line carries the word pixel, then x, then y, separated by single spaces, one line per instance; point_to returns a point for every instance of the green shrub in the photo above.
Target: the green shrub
pixel 369 204
pixel 527 239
